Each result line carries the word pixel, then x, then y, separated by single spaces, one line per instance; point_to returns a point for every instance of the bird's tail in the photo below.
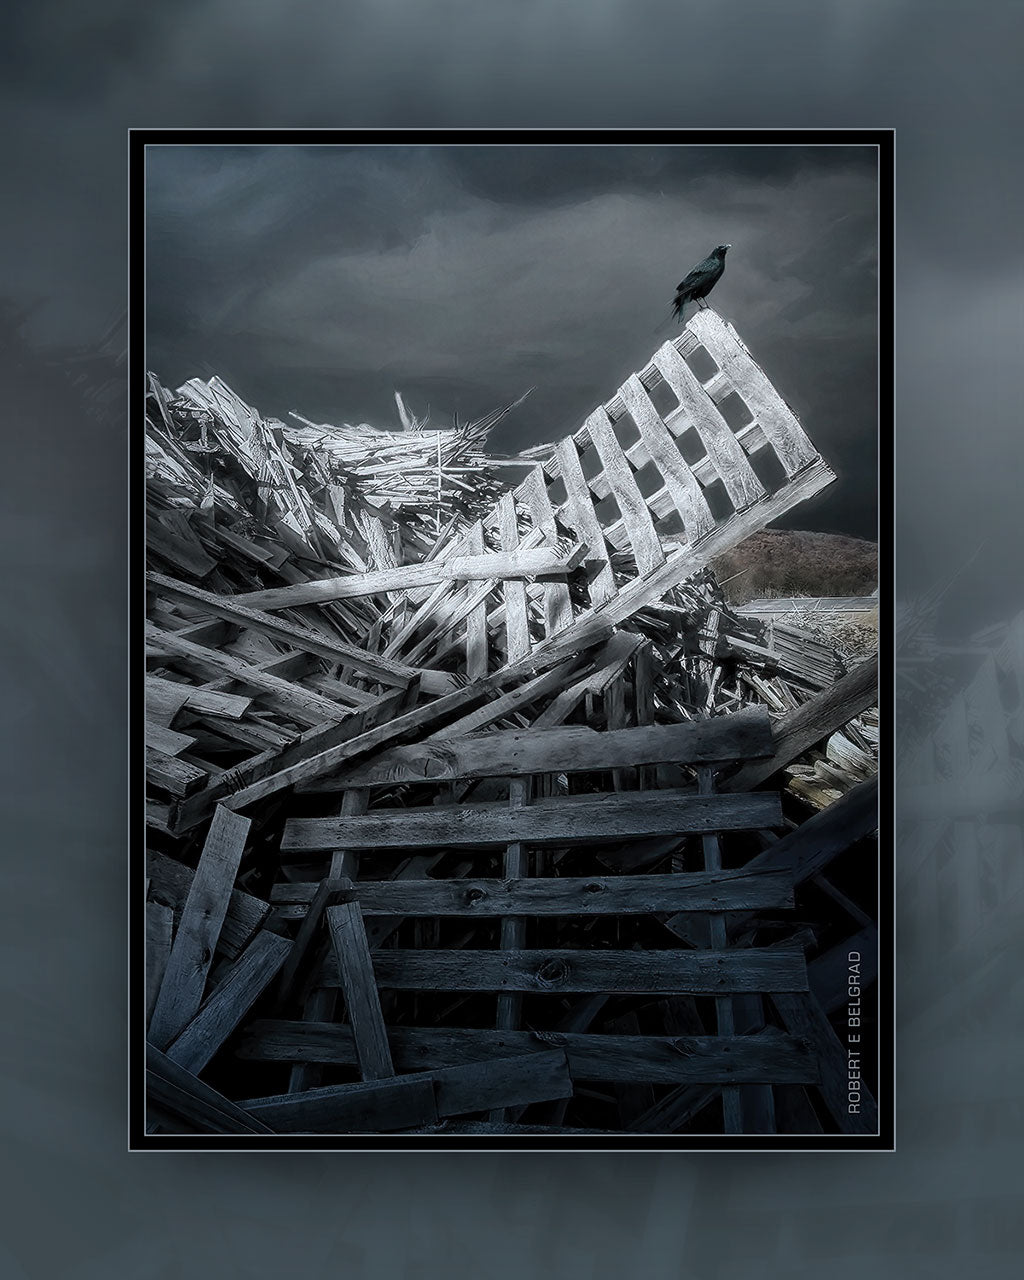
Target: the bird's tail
pixel 667 321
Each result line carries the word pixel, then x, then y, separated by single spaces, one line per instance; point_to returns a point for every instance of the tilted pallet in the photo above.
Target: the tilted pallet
pixel 739 1060
pixel 648 494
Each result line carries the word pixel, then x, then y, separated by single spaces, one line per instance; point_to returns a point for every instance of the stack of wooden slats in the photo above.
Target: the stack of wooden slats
pixel 454 810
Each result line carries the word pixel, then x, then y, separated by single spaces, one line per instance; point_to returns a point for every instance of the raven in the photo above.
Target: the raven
pixel 701 280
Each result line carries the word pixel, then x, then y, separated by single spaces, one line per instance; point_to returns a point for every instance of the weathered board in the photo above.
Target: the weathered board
pixel 540 971
pixel 565 820
pixel 744 735
pixel 563 895
pixel 652 1059
pixel 181 991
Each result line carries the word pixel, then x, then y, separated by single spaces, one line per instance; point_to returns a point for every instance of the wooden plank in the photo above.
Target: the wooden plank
pixel 770 411
pixel 375 666
pixel 363 726
pixel 162 694
pixel 439 641
pixel 474 566
pixel 698 411
pixel 561 820
pixel 647 551
pixel 433 611
pixel 164 699
pixel 327 892
pixel 803 1017
pixel 682 486
pixel 159 932
pixel 517 627
pixel 202 916
pixel 684 563
pixel 183 554
pixel 571 896
pixel 178 777
pixel 503 1082
pixel 557 603
pixel 370 1106
pixel 170 882
pixel 605 668
pixel 459 1090
pixel 403 727
pixel 296 701
pixel 476 623
pixel 176 1090
pixel 675 1059
pixel 505 704
pixel 578 513
pixel 165 740
pixel 810 848
pixel 815 720
pixel 658 972
pixel 437 634
pixel 229 1002
pixel 321 1003
pixel 683 1104
pixel 352 955
pixel 573 749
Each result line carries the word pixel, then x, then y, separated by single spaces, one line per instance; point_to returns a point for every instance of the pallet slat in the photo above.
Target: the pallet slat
pixel 680 482
pixel 355 969
pixel 567 820
pixel 701 1059
pixel 697 410
pixel 202 916
pixel 578 512
pixel 647 550
pixel 640 972
pixel 744 735
pixel 405 1102
pixel 770 411
pixel 229 1001
pixel 565 896
pixel 557 604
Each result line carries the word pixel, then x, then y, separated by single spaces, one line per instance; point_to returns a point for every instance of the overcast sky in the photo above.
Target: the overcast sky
pixel 322 278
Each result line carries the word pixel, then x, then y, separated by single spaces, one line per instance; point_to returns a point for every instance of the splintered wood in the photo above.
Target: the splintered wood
pixel 472 806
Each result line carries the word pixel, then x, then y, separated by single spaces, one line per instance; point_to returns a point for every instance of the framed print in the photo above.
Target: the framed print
pixel 511 559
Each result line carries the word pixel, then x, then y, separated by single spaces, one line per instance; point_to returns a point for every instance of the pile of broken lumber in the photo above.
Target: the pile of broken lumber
pixel 472 807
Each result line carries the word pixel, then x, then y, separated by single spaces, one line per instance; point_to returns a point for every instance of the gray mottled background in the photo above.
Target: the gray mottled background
pixel 75 1204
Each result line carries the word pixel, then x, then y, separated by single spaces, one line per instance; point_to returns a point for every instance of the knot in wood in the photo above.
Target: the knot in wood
pixel 593 887
pixel 474 895
pixel 552 972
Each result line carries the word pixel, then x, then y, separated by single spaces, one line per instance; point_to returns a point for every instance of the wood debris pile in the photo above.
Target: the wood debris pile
pixel 456 774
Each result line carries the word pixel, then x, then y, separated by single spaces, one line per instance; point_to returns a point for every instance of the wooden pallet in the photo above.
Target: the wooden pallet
pixel 622 493
pixel 766 1032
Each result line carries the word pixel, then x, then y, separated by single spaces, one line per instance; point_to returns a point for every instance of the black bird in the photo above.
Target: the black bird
pixel 701 280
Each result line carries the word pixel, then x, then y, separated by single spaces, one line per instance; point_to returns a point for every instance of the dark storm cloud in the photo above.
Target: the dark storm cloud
pixel 321 278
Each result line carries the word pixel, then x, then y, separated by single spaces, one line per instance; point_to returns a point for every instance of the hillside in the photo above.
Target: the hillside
pixel 799 563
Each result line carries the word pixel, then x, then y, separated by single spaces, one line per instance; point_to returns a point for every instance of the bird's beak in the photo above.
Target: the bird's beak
pixel 728 246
